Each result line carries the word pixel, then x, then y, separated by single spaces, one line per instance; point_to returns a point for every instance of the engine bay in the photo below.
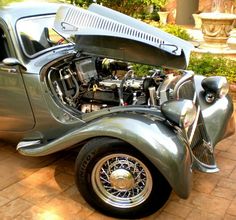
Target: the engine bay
pixel 89 84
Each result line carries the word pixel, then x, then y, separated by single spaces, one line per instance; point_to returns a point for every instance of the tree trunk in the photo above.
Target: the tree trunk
pixel 185 9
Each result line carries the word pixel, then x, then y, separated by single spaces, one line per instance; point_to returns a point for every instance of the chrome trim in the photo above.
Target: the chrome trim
pixel 188 75
pixel 194 125
pixel 23 144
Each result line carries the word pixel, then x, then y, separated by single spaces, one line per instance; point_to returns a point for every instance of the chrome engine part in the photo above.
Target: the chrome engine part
pixel 84 85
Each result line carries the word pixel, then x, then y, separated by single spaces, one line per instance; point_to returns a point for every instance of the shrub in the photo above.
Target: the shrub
pixel 176 30
pixel 211 65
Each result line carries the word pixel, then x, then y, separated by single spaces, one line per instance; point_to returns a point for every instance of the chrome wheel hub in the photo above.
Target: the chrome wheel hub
pixel 121 180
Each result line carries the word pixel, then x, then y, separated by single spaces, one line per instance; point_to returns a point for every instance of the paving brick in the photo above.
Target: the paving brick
pixel 74 194
pixel 229 217
pixel 226 166
pixel 39 177
pixel 63 207
pixel 3 200
pixel 44 192
pixel 198 214
pixel 210 203
pixel 14 208
pixel 227 183
pixel 177 209
pixel 232 208
pixel 226 193
pixel 96 216
pixel 36 213
pixel 227 155
pixel 224 145
pixel 232 149
pixel 167 216
pixel 85 211
pixel 14 191
pixel 205 183
pixel 233 174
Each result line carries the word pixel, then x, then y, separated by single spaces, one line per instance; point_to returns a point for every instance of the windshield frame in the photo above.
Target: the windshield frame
pixel 43 51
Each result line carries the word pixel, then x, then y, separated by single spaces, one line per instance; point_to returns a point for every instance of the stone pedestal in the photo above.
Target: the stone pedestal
pixel 232 40
pixel 197 21
pixel 216 27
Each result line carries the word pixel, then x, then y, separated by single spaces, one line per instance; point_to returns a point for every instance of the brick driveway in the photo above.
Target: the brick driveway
pixel 43 188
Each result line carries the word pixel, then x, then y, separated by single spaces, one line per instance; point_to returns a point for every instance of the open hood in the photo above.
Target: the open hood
pixel 101 31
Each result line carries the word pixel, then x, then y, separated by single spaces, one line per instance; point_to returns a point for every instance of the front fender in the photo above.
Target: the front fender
pixel 161 144
pixel 218 117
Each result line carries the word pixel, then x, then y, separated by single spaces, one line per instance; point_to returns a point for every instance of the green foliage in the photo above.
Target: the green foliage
pixel 136 8
pixel 174 29
pixel 142 70
pixel 206 64
pixel 6 2
pixel 129 7
pixel 210 65
pixel 160 4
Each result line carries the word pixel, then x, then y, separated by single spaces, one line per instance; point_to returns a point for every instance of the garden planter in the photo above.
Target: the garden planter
pixel 163 16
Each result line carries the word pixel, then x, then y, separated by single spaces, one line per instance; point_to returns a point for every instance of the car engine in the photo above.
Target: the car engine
pixel 90 84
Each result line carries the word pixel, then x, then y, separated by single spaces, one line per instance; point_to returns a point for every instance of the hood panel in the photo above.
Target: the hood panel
pixel 128 50
pixel 97 22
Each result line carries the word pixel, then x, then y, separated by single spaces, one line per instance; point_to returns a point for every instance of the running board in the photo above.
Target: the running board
pixel 36 148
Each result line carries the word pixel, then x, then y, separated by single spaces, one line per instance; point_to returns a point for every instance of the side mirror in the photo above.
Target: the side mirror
pixel 13 62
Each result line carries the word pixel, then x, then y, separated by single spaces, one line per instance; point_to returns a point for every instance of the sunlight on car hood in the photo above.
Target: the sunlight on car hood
pixel 98 25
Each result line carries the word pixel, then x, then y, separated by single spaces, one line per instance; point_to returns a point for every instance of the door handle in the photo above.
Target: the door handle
pixel 9 70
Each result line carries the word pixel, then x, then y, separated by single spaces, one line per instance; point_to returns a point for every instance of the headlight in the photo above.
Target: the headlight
pixel 224 89
pixel 180 112
pixel 216 86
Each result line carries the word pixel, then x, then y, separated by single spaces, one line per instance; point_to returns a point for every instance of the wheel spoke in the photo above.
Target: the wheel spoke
pixel 122 180
pixel 104 172
pixel 104 180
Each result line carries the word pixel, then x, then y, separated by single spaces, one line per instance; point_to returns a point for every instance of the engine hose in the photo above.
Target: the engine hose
pixel 52 87
pixel 76 85
pixel 121 95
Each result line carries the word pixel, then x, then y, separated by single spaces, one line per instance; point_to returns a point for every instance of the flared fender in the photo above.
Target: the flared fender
pixel 161 144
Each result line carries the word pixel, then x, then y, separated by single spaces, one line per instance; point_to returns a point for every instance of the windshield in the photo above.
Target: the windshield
pixel 36 34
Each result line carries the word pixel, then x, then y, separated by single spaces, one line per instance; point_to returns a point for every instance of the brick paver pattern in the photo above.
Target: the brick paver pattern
pixel 43 188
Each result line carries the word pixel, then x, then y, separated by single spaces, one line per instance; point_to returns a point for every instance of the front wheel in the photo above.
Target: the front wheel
pixel 119 181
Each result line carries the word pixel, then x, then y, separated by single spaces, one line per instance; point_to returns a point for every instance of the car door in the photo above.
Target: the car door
pixel 15 109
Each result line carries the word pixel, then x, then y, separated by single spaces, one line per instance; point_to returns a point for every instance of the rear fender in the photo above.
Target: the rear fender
pixel 161 144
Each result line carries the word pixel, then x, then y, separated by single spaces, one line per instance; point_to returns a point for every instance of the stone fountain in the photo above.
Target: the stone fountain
pixel 216 25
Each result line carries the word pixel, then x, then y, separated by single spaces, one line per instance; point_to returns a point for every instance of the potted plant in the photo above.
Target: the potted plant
pixel 160 5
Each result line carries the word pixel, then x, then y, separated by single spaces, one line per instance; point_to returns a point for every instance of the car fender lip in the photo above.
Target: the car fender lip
pixel 159 143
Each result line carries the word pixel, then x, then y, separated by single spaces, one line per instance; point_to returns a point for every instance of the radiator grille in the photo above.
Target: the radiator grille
pixel 199 140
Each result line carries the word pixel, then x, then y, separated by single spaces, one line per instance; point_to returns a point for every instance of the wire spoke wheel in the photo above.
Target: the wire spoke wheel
pixel 121 180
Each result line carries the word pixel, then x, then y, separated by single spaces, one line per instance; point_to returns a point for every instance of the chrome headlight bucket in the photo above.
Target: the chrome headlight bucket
pixel 180 112
pixel 215 86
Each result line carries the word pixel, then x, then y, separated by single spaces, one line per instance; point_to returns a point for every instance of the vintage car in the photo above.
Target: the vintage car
pixel 66 83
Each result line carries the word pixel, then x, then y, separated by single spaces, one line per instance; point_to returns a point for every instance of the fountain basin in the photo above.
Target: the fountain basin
pixel 216 26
